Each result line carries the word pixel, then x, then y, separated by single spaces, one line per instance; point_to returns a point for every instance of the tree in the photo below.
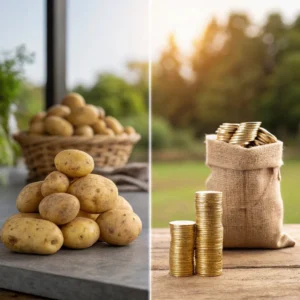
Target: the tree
pixel 115 95
pixel 169 86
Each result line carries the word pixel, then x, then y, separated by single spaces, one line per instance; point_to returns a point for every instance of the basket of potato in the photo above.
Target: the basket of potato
pixel 71 208
pixel 73 124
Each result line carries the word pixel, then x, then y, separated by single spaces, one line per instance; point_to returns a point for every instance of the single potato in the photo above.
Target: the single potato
pixel 25 215
pixel 29 198
pixel 129 130
pixel 96 193
pixel 84 130
pixel 74 163
pixel 119 227
pixel 99 126
pixel 114 124
pixel 55 182
pixel 122 203
pixel 38 117
pixel 73 100
pixel 85 214
pixel 59 208
pixel 37 127
pixel 80 233
pixel 29 235
pixel 59 111
pixel 84 115
pixel 101 113
pixel 58 126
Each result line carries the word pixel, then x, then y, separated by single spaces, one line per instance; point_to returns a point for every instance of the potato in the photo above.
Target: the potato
pixel 84 115
pixel 95 193
pixel 73 100
pixel 55 182
pixel 29 198
pixel 129 130
pixel 122 203
pixel 37 127
pixel 59 208
pixel 99 126
pixel 114 124
pixel 74 163
pixel 38 117
pixel 119 227
pixel 84 130
pixel 28 235
pixel 80 233
pixel 85 214
pixel 25 215
pixel 59 111
pixel 101 113
pixel 58 126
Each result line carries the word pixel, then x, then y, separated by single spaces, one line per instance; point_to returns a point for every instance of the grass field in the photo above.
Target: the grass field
pixel 174 185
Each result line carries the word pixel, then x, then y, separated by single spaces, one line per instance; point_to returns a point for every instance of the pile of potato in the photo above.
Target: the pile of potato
pixel 71 208
pixel 74 117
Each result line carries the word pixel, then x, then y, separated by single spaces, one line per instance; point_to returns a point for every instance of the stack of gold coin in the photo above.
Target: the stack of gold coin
pixel 226 131
pixel 209 233
pixel 245 134
pixel 264 137
pixel 182 248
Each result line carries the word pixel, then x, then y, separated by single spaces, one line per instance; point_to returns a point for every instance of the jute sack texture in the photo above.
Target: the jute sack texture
pixel 250 181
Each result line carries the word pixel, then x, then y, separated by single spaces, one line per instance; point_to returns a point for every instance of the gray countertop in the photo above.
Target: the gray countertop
pixel 99 272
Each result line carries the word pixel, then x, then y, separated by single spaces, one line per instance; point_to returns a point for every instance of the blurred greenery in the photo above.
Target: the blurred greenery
pixel 11 80
pixel 174 185
pixel 237 72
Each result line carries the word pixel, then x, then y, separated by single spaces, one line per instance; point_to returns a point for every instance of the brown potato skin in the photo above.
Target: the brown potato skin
pixel 129 130
pixel 114 124
pixel 25 215
pixel 37 127
pixel 55 182
pixel 59 111
pixel 55 125
pixel 122 203
pixel 74 163
pixel 85 214
pixel 38 117
pixel 99 126
pixel 96 193
pixel 101 112
pixel 84 115
pixel 84 130
pixel 28 235
pixel 29 198
pixel 73 100
pixel 119 227
pixel 80 233
pixel 59 208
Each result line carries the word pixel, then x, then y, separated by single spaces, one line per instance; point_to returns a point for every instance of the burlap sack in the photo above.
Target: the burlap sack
pixel 252 203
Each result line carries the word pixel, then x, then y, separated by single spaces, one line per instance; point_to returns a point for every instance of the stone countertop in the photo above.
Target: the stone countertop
pixel 101 271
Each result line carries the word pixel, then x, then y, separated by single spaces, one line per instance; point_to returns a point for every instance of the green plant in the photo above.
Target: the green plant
pixel 11 78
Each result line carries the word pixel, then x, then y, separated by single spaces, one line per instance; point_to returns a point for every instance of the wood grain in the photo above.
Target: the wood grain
pixel 248 274
pixel 233 284
pixel 239 258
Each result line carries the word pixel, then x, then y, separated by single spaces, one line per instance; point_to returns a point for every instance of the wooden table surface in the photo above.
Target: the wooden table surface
pixel 247 274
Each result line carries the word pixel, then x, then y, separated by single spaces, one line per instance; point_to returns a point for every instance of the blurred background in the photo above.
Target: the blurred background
pixel 214 62
pixel 106 62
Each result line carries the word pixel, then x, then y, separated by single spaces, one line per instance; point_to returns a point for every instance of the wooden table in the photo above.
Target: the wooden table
pixel 247 274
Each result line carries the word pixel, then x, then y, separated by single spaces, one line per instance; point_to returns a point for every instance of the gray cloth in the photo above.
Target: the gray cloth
pixel 131 177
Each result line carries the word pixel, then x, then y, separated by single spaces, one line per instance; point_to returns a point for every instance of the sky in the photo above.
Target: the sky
pixel 187 18
pixel 103 35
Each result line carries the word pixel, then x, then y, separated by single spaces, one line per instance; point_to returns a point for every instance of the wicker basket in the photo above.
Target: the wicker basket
pixel 39 151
